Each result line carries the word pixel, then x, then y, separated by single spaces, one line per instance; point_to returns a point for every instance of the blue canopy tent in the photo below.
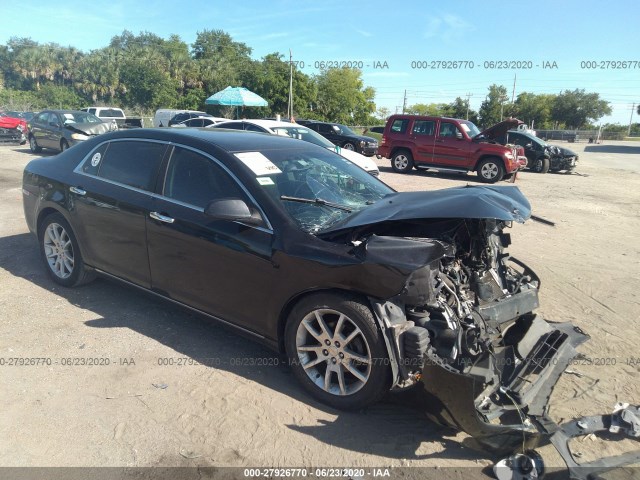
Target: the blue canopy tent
pixel 237 97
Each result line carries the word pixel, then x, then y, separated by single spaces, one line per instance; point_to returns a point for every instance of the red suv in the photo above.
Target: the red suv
pixel 448 144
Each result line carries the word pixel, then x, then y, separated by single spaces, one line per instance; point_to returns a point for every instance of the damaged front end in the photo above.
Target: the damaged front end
pixel 464 325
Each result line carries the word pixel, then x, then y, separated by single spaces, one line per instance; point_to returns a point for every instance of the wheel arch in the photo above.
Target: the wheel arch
pixel 486 156
pixel 293 301
pixel 48 210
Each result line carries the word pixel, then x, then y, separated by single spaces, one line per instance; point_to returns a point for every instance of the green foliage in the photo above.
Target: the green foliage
pixel 573 109
pixel 533 108
pixel 343 98
pixel 492 109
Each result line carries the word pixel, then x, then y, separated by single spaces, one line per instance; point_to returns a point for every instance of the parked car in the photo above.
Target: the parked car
pixel 363 288
pixel 181 117
pixel 345 137
pixel 61 129
pixel 13 129
pixel 24 115
pixel 165 115
pixel 116 115
pixel 197 121
pixel 448 144
pixel 542 157
pixel 301 132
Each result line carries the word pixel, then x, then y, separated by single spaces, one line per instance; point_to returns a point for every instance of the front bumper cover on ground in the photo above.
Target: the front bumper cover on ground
pixel 521 424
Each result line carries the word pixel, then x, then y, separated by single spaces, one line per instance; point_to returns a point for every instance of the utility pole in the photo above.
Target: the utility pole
pixel 404 103
pixel 469 95
pixel 633 107
pixel 513 93
pixel 290 108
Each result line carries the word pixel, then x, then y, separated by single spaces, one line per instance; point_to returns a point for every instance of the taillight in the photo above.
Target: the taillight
pixel 383 139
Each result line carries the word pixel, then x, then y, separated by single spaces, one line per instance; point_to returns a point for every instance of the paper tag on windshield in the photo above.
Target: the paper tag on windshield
pixel 258 163
pixel 265 181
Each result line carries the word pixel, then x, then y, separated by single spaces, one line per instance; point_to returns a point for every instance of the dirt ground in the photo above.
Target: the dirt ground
pixel 168 388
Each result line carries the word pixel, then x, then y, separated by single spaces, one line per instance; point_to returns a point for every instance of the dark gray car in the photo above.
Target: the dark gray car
pixel 61 129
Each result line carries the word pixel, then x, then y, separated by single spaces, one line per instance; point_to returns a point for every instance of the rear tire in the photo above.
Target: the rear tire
pixel 336 351
pixel 60 252
pixel 33 145
pixel 490 170
pixel 402 161
pixel 63 145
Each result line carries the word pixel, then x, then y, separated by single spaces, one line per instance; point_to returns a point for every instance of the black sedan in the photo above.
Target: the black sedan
pixel 542 157
pixel 365 289
pixel 344 137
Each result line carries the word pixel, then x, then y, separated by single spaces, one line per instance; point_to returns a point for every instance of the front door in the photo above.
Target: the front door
pixel 218 266
pixel 451 147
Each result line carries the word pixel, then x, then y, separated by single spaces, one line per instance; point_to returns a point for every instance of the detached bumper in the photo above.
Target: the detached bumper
pixel 506 415
pixel 497 410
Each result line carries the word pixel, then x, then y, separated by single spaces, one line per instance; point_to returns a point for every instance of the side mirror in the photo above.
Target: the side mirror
pixel 54 124
pixel 529 145
pixel 231 209
pixel 459 135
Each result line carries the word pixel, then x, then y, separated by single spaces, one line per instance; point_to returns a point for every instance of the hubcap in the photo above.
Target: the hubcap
pixel 489 170
pixel 348 146
pixel 333 352
pixel 58 250
pixel 402 162
pixel 32 143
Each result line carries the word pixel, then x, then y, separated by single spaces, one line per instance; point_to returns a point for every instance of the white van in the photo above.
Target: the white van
pixel 163 115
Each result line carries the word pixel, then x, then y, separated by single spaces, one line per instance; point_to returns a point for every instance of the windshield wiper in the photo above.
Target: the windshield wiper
pixel 316 201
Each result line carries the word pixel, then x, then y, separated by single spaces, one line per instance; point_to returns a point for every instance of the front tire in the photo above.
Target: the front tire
pixel 490 170
pixel 541 165
pixel 33 145
pixel 349 146
pixel 60 252
pixel 337 352
pixel 402 161
pixel 63 145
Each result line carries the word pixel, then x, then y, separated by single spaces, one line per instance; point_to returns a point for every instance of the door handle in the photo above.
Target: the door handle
pixel 161 218
pixel 78 191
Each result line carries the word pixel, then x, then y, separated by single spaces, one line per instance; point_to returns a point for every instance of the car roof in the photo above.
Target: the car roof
pixel 267 123
pixel 229 140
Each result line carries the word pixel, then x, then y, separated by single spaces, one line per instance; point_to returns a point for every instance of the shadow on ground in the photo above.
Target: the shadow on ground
pixel 613 149
pixel 393 428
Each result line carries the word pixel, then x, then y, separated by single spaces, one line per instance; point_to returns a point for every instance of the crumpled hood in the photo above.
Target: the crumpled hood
pixel 496 202
pixel 11 122
pixel 565 152
pixel 89 128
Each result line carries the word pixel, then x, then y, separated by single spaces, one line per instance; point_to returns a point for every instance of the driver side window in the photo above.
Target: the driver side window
pixel 196 180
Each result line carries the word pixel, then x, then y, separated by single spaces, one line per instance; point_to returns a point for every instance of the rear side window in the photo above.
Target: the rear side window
pixel 424 127
pixel 399 125
pixel 195 179
pixel 132 163
pixel 92 165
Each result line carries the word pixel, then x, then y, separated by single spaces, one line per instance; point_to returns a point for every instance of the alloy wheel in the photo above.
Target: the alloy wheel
pixel 58 250
pixel 333 352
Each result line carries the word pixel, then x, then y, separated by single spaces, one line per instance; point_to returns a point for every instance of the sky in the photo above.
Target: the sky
pixel 546 46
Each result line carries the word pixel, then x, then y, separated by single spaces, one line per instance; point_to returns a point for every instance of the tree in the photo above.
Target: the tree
pixel 492 109
pixel 383 113
pixel 573 109
pixel 533 108
pixel 431 109
pixel 343 98
pixel 460 109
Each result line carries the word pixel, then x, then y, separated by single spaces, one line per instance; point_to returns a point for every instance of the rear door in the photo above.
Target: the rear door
pixel 451 147
pixel 423 135
pixel 217 266
pixel 112 200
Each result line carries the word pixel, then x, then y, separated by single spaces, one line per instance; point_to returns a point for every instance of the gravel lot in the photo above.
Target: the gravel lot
pixel 226 401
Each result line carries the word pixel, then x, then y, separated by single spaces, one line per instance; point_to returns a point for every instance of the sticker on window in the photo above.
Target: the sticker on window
pixel 95 160
pixel 265 181
pixel 258 163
